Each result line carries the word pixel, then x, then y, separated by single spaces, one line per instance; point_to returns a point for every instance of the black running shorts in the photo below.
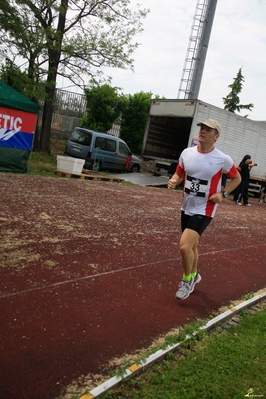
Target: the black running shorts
pixel 197 223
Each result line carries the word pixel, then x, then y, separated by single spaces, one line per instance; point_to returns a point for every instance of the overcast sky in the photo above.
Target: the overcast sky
pixel 238 39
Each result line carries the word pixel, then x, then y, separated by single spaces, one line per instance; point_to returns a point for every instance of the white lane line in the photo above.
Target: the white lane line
pixel 45 287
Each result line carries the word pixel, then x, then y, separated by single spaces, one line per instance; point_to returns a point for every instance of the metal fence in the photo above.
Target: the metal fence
pixel 69 103
pixel 69 109
pixel 65 124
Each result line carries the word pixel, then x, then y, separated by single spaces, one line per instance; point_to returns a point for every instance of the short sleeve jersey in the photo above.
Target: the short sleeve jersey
pixel 245 171
pixel 202 174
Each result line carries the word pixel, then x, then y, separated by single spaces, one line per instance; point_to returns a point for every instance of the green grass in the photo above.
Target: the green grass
pixel 226 364
pixel 42 164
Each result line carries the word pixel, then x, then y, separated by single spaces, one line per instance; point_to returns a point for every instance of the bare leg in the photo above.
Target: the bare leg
pixel 189 251
pixel 196 257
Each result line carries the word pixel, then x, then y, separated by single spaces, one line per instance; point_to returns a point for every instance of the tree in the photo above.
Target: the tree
pixel 232 101
pixel 103 108
pixel 134 120
pixel 15 78
pixel 20 39
pixel 71 38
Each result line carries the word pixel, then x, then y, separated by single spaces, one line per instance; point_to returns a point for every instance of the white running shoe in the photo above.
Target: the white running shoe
pixel 197 280
pixel 185 289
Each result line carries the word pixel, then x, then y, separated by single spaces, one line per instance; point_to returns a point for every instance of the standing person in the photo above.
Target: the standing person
pixel 200 168
pixel 263 192
pixel 238 187
pixel 242 192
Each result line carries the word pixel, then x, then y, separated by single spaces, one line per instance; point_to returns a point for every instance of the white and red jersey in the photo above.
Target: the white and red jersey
pixel 202 174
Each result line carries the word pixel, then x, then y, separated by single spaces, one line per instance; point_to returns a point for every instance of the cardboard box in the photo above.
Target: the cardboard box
pixel 70 165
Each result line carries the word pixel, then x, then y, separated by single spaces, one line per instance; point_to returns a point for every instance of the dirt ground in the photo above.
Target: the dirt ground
pixel 89 271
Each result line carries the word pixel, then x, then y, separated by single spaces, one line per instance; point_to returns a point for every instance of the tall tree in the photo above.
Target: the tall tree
pixel 71 38
pixel 232 100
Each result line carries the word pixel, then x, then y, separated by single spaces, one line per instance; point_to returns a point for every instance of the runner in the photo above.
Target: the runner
pixel 200 168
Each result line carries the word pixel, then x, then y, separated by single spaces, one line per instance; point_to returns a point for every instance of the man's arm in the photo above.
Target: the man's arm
pixel 175 180
pixel 231 185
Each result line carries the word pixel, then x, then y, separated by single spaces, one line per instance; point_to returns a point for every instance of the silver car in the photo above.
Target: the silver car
pixel 101 151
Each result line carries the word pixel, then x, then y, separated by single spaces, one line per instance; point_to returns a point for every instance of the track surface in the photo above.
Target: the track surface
pixel 89 272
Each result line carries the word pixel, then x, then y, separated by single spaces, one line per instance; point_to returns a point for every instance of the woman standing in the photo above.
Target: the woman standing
pixel 244 170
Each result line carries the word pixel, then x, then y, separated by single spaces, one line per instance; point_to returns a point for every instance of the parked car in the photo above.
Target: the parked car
pixel 101 151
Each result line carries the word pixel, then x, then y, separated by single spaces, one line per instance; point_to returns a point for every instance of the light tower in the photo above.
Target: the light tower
pixel 197 49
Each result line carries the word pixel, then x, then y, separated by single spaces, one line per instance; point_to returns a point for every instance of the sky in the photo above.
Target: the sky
pixel 238 40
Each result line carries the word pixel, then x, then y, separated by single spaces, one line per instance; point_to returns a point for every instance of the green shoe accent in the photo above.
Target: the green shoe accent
pixel 187 278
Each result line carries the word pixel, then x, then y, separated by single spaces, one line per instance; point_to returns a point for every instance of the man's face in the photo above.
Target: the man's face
pixel 208 135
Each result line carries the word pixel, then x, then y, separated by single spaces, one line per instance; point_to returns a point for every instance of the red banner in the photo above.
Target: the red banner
pixel 17 128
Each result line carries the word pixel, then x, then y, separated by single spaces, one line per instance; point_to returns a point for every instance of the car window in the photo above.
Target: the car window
pixel 123 149
pixel 110 145
pixel 105 144
pixel 100 143
pixel 81 137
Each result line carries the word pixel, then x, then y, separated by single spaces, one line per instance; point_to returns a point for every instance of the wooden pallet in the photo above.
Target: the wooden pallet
pixel 90 176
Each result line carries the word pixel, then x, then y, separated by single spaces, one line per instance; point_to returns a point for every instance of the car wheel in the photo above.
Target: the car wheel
pixel 135 168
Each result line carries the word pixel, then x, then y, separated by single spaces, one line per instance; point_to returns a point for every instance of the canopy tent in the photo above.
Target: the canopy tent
pixel 18 118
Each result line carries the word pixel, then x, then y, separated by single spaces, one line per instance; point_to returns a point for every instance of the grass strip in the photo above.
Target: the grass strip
pixel 227 364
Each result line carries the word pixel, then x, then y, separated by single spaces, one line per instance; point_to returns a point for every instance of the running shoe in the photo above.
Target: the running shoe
pixel 197 280
pixel 185 288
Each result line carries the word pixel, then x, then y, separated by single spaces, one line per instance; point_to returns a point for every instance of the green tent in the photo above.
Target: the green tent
pixel 18 118
pixel 10 98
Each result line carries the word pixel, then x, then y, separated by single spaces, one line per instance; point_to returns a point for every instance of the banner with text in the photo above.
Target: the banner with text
pixel 17 128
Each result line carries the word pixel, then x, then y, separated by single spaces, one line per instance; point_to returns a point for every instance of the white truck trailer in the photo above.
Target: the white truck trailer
pixel 172 127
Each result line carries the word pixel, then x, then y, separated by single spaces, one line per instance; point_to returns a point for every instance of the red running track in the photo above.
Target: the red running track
pixel 89 272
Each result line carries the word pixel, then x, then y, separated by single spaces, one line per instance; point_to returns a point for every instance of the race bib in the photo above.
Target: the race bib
pixel 196 187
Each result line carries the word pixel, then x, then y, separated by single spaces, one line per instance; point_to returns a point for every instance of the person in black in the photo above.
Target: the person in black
pixel 263 192
pixel 242 190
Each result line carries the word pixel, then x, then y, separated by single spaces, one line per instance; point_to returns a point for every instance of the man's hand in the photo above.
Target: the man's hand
pixel 217 198
pixel 174 181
